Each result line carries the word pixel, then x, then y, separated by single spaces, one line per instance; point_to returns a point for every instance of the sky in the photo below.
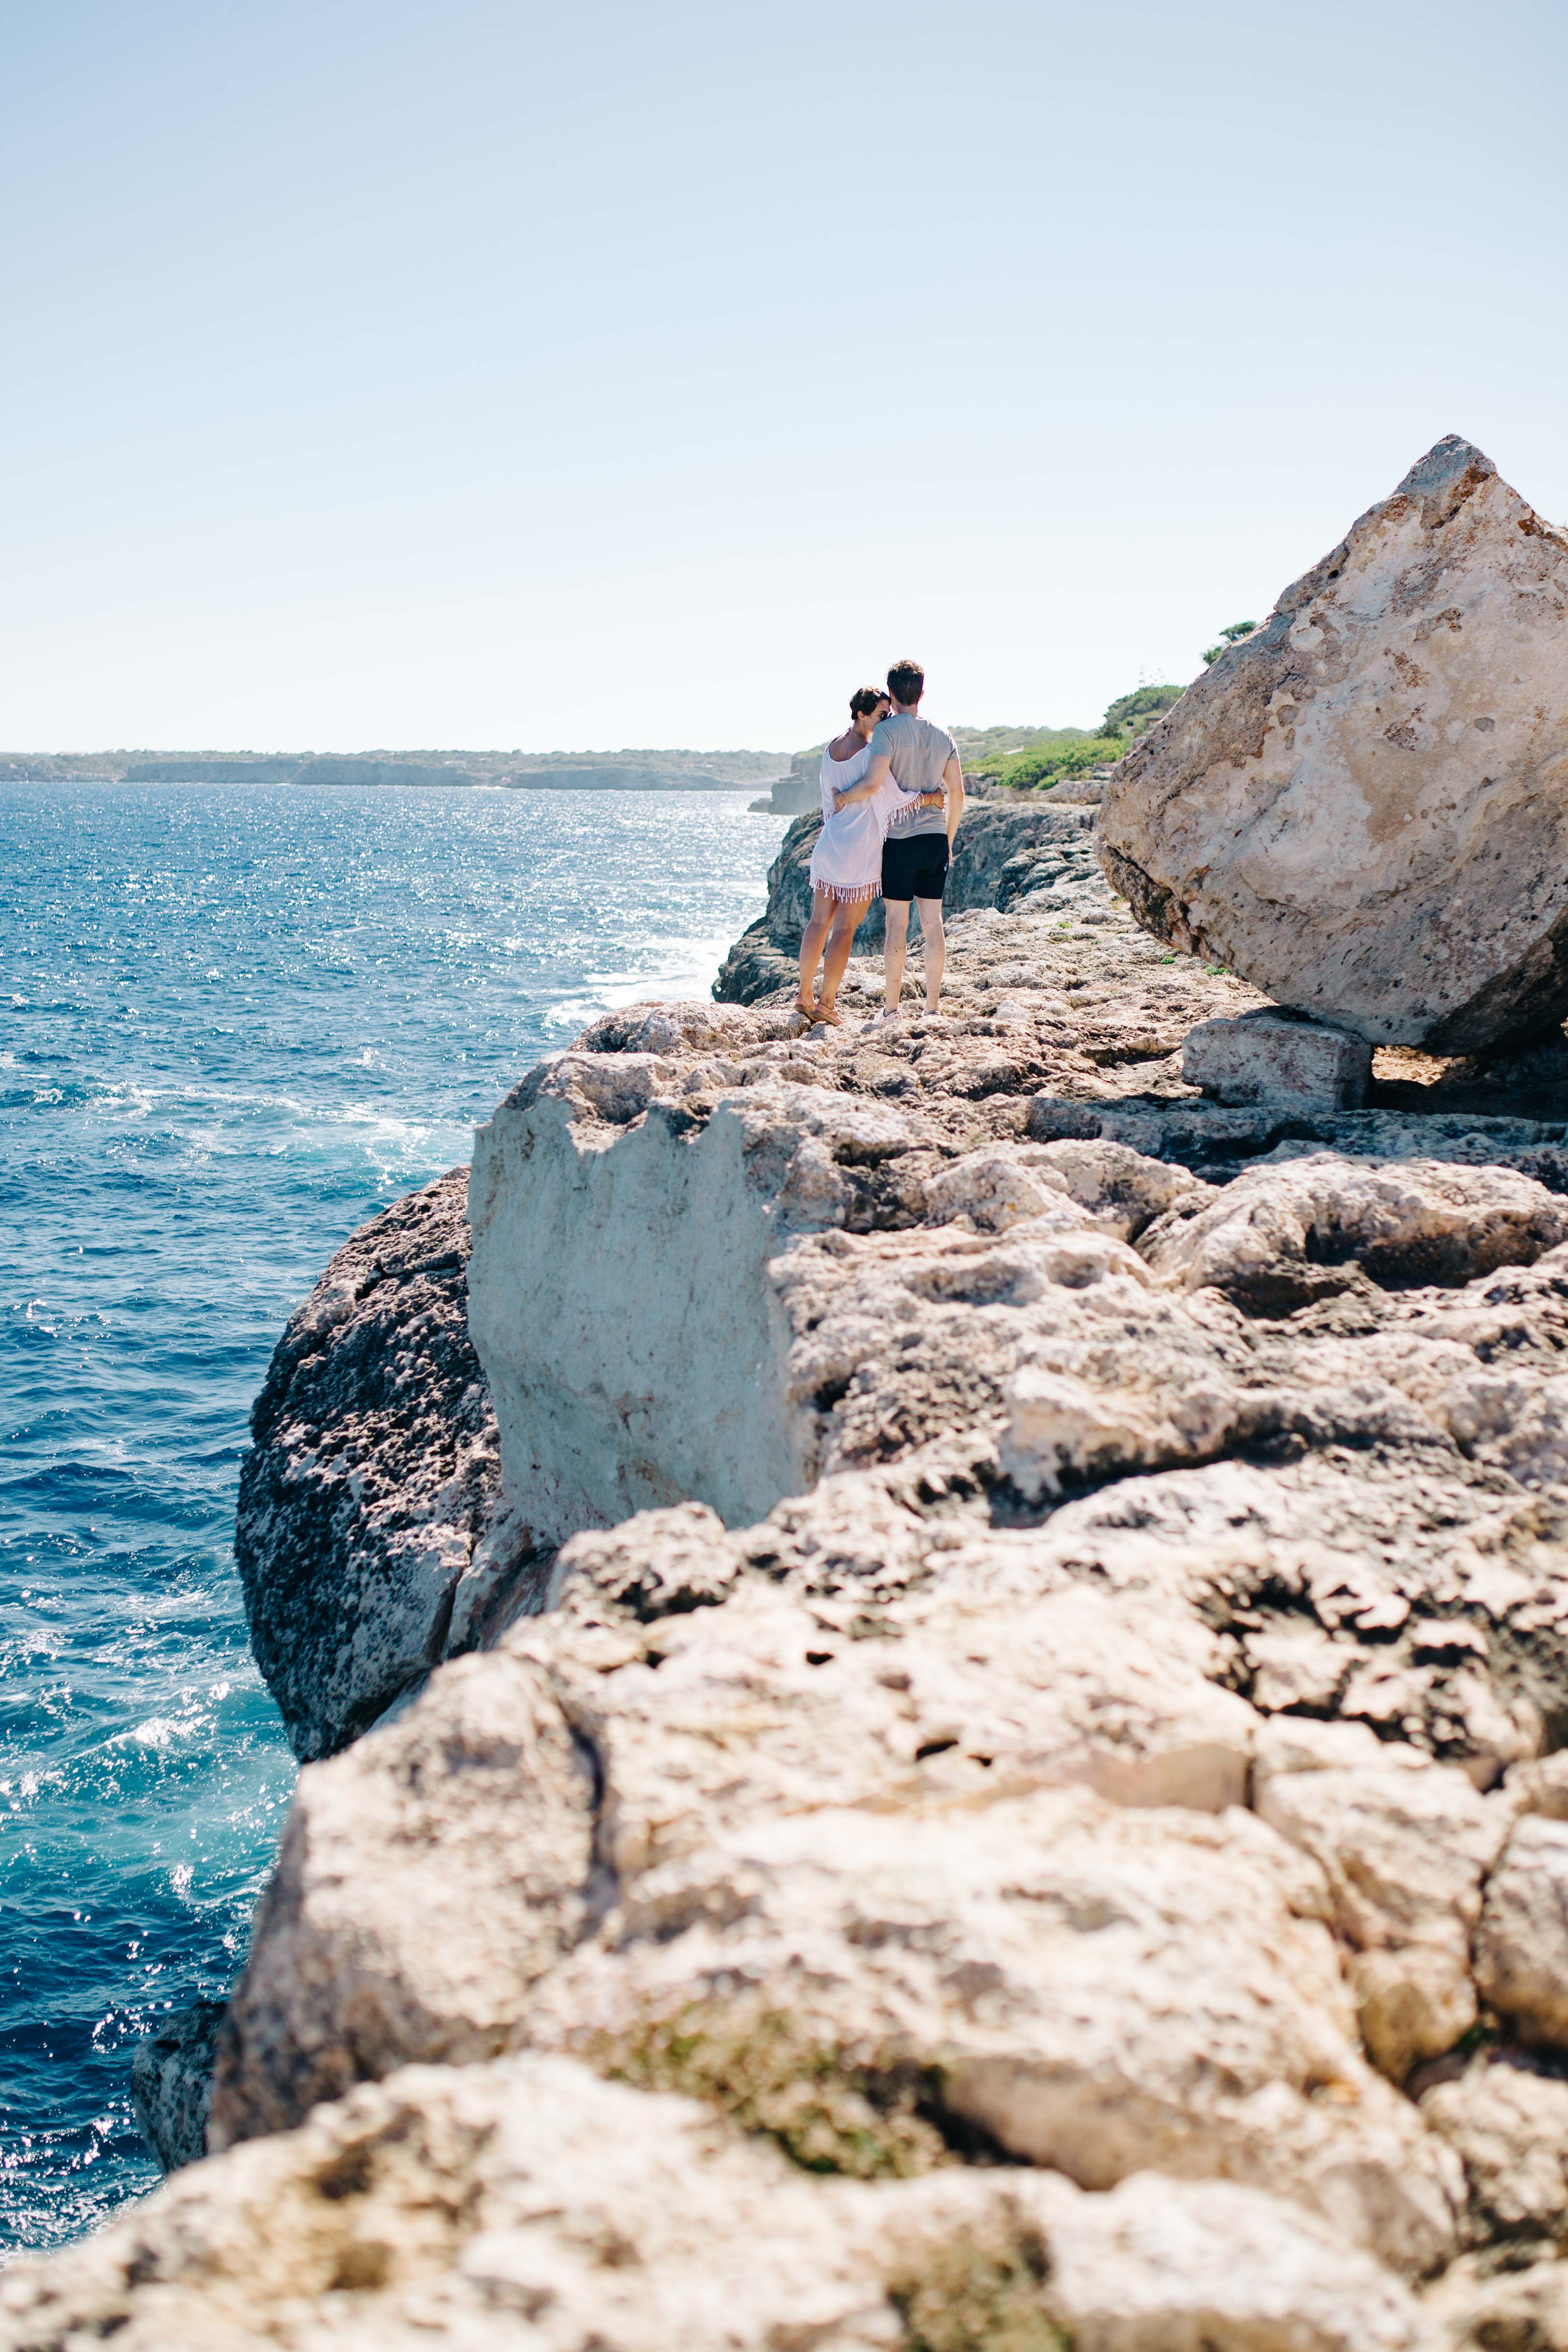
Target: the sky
pixel 591 374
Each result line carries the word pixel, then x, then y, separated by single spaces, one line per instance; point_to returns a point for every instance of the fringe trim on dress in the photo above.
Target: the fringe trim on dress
pixel 860 894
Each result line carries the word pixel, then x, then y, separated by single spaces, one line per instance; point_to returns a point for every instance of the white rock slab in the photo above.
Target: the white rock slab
pixel 1275 1057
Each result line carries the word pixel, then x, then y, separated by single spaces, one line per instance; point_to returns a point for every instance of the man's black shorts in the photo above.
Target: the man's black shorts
pixel 913 866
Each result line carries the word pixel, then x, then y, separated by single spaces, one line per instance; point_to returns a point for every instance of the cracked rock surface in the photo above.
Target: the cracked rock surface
pixel 1026 1811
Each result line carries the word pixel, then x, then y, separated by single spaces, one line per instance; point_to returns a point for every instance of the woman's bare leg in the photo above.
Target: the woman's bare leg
pixel 847 920
pixel 895 913
pixel 936 946
pixel 812 941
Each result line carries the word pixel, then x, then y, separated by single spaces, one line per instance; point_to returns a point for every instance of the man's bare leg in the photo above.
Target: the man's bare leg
pixel 935 943
pixel 895 948
pixel 811 944
pixel 840 941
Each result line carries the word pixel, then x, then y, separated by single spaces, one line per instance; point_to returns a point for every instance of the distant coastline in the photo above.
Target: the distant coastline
pixel 785 783
pixel 593 771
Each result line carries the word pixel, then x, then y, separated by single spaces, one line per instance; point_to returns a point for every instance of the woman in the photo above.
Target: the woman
pixel 846 864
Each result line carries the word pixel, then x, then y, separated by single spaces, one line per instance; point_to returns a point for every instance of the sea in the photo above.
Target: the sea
pixel 234 1020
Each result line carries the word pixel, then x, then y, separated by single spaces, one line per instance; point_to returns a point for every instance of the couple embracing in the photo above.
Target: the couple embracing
pixel 892 792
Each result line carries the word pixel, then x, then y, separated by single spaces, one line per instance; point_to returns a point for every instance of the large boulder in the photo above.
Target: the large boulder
pixel 1363 808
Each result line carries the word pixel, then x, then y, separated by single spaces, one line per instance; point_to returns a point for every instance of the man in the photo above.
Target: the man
pixel 923 760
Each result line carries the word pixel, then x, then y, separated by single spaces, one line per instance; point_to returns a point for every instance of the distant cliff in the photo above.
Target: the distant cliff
pixel 610 777
pixel 648 771
pixel 196 771
pixel 797 792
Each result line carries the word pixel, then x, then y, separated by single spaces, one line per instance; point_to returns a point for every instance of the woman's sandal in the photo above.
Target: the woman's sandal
pixel 827 1018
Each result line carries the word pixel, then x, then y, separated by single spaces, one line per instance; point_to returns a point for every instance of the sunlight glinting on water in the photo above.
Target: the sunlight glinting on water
pixel 233 1021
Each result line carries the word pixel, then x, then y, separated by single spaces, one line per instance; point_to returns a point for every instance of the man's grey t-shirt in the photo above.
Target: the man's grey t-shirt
pixel 917 752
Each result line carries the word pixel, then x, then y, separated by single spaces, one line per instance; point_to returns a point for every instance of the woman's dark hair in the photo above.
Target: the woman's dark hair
pixel 906 681
pixel 866 698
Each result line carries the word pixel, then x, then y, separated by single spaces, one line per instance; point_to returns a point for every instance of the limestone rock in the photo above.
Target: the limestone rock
pixel 1078 1690
pixel 1405 1845
pixel 1483 2304
pixel 433 1800
pixel 1508 2120
pixel 1417 1611
pixel 373 1505
pixel 1363 807
pixel 965 1853
pixel 172 2081
pixel 375 1475
pixel 1283 1235
pixel 1273 1057
pixel 1540 1786
pixel 1092 1991
pixel 726 1153
pixel 837 1278
pixel 630 1767
pixel 524 2203
pixel 1522 1950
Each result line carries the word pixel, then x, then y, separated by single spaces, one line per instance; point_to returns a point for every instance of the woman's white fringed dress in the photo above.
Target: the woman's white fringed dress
pixel 847 860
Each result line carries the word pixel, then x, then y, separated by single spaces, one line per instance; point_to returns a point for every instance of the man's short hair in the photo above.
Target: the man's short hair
pixel 865 699
pixel 906 681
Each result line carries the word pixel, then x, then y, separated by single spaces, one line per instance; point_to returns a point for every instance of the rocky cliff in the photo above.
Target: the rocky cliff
pixel 369 1507
pixel 983 1651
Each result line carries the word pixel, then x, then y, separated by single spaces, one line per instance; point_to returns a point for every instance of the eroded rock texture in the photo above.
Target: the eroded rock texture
pixel 172 2083
pixel 374 1484
pixel 528 2204
pixel 1364 806
pixel 788 1190
pixel 1052 1829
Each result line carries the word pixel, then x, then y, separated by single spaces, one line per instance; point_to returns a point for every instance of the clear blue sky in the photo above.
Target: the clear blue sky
pixel 593 375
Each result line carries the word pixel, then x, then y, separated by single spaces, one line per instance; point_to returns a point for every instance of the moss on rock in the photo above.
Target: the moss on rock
pixel 976 2291
pixel 831 2109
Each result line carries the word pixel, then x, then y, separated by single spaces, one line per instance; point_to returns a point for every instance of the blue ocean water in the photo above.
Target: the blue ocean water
pixel 232 1022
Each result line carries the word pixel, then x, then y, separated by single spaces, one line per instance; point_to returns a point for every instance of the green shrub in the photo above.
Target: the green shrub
pixel 1038 756
pixel 986 751
pixel 1229 637
pixel 1131 714
pixel 1043 768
